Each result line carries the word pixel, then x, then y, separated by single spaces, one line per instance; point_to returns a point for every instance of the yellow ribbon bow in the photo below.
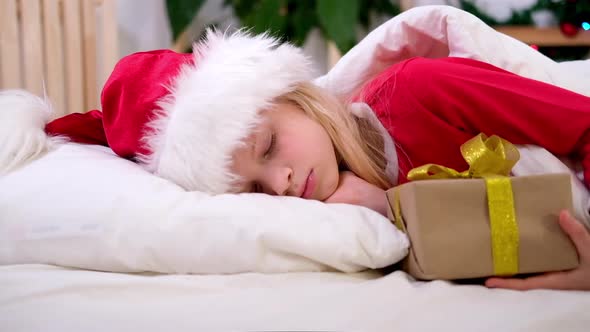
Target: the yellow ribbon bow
pixel 491 159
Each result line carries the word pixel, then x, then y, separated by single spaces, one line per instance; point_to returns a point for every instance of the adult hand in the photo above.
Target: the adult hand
pixel 354 190
pixel 576 279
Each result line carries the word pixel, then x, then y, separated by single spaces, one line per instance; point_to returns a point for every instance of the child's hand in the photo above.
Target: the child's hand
pixel 576 279
pixel 354 190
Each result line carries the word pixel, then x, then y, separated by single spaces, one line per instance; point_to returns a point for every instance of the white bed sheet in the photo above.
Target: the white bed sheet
pixel 47 298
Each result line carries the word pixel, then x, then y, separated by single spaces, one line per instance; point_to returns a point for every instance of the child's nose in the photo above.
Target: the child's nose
pixel 281 180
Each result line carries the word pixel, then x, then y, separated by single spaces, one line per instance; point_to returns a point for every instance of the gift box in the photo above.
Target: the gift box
pixel 464 227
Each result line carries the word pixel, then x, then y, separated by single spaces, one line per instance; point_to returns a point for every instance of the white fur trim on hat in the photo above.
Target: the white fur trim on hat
pixel 214 104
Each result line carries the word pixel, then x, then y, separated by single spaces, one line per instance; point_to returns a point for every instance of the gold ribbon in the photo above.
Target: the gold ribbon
pixel 491 159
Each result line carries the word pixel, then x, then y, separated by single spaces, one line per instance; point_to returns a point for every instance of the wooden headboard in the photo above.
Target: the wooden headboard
pixel 63 47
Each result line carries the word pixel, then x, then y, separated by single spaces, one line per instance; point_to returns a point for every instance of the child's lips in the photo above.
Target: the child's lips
pixel 309 186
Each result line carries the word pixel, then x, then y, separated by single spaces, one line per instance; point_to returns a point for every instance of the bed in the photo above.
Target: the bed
pixel 48 298
pixel 91 242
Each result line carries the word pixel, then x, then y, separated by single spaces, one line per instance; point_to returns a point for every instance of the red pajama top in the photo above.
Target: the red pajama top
pixel 432 106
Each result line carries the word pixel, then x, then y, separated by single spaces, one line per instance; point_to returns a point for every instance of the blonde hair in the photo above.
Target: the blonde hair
pixel 358 145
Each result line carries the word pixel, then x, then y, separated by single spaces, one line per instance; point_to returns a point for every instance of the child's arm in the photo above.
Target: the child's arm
pixel 477 97
pixel 576 279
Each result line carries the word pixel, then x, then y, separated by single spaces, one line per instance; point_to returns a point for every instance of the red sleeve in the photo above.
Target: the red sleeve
pixel 478 97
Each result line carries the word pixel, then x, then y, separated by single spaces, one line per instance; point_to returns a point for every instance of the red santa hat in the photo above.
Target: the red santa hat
pixel 181 115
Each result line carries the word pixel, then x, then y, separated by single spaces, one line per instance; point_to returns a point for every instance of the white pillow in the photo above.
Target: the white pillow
pixel 81 206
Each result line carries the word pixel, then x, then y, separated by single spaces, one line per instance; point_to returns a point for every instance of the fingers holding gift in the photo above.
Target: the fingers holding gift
pixel 576 279
pixel 552 280
pixel 578 234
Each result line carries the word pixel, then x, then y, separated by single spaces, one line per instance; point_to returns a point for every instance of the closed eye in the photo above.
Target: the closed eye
pixel 270 150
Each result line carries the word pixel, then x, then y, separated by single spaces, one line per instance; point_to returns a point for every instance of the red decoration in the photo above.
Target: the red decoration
pixel 568 29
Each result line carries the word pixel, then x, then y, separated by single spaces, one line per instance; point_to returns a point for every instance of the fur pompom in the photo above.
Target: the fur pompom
pixel 23 117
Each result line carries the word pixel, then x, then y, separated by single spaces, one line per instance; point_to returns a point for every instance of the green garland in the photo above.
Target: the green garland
pixel 338 20
pixel 294 19
pixel 570 15
pixel 566 11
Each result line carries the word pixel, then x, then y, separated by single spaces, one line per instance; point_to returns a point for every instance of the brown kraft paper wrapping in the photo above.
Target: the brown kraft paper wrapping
pixel 448 226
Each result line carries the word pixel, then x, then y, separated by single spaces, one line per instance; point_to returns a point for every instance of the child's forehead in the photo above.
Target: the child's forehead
pixel 263 122
pixel 255 132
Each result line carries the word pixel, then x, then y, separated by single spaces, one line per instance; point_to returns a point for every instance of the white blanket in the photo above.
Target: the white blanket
pixel 441 31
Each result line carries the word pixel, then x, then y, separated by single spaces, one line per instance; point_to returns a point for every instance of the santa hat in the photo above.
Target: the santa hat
pixel 181 115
